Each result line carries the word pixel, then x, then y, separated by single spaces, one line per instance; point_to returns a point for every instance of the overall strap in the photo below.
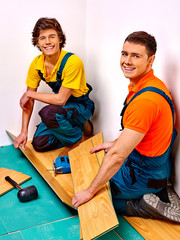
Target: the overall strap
pixel 41 75
pixel 59 73
pixel 160 163
pixel 55 86
pixel 63 63
pixel 151 89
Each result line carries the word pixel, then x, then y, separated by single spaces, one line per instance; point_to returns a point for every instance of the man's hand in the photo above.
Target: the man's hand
pixel 21 140
pixel 86 195
pixel 103 146
pixel 117 152
pixel 24 101
pixel 81 197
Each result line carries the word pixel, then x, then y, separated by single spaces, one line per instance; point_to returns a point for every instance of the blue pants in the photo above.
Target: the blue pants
pixel 61 125
pixel 140 175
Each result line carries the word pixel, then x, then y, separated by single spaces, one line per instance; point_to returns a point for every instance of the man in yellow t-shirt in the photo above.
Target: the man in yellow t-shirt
pixel 69 107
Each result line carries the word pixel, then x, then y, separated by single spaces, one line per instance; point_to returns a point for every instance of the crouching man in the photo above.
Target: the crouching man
pixel 138 163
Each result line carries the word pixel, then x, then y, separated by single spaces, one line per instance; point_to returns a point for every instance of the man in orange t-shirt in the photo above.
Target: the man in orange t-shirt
pixel 138 163
pixel 150 113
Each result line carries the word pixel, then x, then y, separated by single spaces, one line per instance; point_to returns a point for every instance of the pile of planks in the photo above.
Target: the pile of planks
pixel 96 216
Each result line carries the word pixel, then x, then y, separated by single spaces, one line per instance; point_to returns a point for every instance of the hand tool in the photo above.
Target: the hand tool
pixel 61 165
pixel 24 194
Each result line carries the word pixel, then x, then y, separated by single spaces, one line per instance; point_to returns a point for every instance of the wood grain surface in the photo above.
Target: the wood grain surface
pixel 148 228
pixel 18 177
pixel 155 229
pixel 96 216
pixel 42 161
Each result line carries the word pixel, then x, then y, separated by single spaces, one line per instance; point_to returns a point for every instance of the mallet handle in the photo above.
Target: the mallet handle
pixel 12 182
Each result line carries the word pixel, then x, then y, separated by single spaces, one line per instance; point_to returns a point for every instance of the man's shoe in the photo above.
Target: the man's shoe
pixel 134 209
pixel 172 195
pixel 159 209
pixel 88 128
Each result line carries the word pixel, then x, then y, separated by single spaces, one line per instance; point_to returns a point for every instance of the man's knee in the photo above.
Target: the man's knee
pixel 48 115
pixel 41 143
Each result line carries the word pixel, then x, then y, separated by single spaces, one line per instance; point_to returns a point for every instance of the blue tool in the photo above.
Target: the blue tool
pixel 61 165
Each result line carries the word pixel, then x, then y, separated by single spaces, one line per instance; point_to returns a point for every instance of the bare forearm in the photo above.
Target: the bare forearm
pixel 51 98
pixel 117 153
pixel 115 157
pixel 26 115
pixel 110 165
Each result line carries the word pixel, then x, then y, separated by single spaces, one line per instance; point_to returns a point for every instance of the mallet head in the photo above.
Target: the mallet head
pixel 27 193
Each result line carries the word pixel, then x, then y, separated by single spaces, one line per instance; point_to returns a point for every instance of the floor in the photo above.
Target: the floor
pixel 45 218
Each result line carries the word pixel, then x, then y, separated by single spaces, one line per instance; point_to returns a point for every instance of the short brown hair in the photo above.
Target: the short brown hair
pixel 145 39
pixel 47 23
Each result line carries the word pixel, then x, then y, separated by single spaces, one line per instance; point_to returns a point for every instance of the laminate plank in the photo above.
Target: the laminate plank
pixel 42 161
pixel 16 215
pixel 96 216
pixel 126 231
pixel 155 229
pixel 96 140
pixel 18 177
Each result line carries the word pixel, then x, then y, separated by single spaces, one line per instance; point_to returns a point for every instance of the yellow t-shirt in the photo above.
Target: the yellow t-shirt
pixel 73 75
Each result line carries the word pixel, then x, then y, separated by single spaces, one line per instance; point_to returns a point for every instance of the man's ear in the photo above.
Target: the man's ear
pixel 151 59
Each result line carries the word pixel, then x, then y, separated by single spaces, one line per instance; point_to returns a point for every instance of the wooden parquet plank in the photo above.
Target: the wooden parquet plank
pixel 96 216
pixel 16 176
pixel 42 161
pixel 155 229
pixel 63 187
pixel 96 140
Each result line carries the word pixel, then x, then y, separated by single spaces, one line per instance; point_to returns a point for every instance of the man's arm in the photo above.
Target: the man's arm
pixel 112 162
pixel 27 103
pixel 104 146
pixel 49 98
pixel 26 115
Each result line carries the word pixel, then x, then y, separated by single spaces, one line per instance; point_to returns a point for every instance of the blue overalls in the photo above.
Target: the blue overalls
pixel 62 125
pixel 140 174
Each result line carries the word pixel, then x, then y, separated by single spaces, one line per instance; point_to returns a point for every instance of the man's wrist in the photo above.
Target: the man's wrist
pixel 24 131
pixel 29 94
pixel 91 191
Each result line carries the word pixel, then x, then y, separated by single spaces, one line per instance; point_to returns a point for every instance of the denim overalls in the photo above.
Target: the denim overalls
pixel 62 125
pixel 140 174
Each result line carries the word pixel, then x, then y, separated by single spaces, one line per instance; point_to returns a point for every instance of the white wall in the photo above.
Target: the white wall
pixel 17 20
pixel 95 31
pixel 108 24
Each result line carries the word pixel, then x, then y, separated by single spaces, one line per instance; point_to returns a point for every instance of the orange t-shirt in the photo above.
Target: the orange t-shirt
pixel 151 114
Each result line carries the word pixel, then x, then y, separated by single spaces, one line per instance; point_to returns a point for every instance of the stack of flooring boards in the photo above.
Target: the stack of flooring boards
pixel 96 216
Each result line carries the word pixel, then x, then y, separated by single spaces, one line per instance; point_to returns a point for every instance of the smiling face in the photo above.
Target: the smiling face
pixel 135 62
pixel 48 42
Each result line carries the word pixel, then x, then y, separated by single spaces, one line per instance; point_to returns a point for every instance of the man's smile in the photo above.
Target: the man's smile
pixel 128 69
pixel 49 48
